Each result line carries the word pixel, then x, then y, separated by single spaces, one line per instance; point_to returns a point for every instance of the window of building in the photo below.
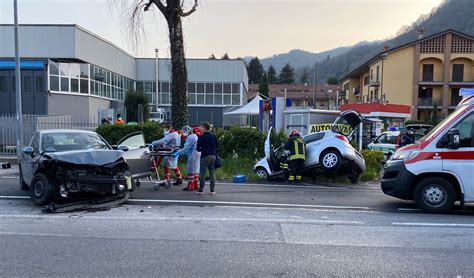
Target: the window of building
pixel 74 85
pixel 200 88
pixel 366 80
pixel 377 74
pixel 428 72
pixel 75 70
pixel 235 88
pixel 53 68
pixel 140 87
pixel 54 83
pixel 218 99
pixel 165 87
pixel 84 68
pixel 64 84
pixel 64 69
pixel 84 86
pixel 191 88
pixel 192 99
pixel 458 73
pixel 455 97
pixel 218 88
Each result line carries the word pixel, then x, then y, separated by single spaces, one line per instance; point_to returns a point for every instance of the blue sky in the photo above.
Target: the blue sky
pixel 239 27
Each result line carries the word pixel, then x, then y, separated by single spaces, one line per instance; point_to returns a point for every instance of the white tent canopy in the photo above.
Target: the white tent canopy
pixel 251 108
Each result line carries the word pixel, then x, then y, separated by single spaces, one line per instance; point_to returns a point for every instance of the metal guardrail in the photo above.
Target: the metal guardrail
pixel 32 123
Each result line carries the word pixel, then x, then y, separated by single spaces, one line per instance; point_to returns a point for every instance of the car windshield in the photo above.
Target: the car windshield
pixel 72 141
pixel 441 125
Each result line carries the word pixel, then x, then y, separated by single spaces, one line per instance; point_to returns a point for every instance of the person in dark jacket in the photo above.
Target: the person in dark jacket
pixel 207 145
pixel 297 148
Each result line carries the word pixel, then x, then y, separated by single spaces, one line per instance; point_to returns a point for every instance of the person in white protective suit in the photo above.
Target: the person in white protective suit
pixel 194 156
pixel 171 140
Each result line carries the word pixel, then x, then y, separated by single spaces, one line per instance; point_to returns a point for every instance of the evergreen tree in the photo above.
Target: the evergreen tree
pixel 304 77
pixel 255 71
pixel 132 101
pixel 271 75
pixel 332 81
pixel 212 57
pixel 225 56
pixel 263 87
pixel 287 75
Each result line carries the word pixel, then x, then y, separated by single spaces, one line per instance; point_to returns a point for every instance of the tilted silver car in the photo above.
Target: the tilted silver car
pixel 327 150
pixel 65 163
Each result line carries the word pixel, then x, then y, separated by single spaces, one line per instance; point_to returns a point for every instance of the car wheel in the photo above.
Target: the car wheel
pixel 434 194
pixel 330 160
pixel 23 185
pixel 354 176
pixel 261 173
pixel 41 190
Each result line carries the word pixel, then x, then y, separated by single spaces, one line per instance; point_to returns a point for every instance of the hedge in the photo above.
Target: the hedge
pixel 373 164
pixel 113 133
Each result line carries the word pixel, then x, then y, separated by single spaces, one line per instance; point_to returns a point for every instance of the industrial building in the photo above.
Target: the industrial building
pixel 67 70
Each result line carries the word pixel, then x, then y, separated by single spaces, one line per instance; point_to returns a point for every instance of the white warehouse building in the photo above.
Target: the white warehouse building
pixel 67 70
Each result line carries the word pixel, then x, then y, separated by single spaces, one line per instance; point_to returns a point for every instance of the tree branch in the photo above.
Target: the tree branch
pixel 191 11
pixel 158 3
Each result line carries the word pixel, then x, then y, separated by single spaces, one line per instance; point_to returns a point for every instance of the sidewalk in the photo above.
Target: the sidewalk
pixel 13 171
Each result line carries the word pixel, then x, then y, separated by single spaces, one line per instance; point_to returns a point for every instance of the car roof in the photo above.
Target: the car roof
pixel 48 131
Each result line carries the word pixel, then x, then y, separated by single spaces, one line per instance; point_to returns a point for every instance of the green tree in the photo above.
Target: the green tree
pixel 132 102
pixel 255 71
pixel 287 75
pixel 304 77
pixel 225 56
pixel 212 57
pixel 332 81
pixel 271 75
pixel 263 87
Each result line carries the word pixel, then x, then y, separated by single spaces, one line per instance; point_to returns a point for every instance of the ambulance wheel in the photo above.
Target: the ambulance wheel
pixel 330 160
pixel 261 173
pixel 434 194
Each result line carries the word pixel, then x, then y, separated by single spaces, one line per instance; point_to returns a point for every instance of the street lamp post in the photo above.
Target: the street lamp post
pixel 19 112
pixel 157 79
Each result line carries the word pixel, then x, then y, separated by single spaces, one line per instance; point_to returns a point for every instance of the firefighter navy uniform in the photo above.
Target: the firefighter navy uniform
pixel 297 148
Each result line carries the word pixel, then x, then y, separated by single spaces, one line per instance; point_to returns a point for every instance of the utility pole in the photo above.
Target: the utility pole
pixel 157 79
pixel 314 87
pixel 19 112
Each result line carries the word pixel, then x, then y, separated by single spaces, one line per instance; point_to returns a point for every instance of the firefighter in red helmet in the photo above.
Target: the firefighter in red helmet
pixel 297 148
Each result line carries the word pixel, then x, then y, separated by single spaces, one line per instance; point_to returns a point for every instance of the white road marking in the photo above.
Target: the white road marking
pixel 14 197
pixel 243 203
pixel 433 224
pixel 409 209
pixel 225 219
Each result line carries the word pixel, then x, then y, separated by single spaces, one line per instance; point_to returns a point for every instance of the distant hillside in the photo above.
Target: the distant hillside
pixel 451 14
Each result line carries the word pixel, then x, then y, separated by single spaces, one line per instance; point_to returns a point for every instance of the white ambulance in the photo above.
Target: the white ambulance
pixel 439 170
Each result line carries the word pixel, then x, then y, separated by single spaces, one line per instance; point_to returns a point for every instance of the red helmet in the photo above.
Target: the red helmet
pixel 197 130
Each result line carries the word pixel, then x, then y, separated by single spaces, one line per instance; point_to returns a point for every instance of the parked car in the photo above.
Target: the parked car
pixel 65 163
pixel 389 141
pixel 327 150
pixel 438 170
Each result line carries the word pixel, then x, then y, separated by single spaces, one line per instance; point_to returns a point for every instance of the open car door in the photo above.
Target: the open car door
pixel 136 154
pixel 268 145
pixel 346 123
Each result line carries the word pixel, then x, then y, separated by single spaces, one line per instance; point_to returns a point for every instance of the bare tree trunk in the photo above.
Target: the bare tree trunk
pixel 179 80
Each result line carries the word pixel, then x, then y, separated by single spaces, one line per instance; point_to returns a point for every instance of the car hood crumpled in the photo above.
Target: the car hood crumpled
pixel 88 157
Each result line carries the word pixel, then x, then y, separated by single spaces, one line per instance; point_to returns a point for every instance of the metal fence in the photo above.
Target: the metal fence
pixel 32 123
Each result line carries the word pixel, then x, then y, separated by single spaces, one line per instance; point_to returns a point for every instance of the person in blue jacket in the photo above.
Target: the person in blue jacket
pixel 194 156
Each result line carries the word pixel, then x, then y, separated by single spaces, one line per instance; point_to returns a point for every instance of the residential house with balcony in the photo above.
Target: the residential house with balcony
pixel 425 74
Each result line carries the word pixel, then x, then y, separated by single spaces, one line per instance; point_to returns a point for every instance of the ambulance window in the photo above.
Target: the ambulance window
pixel 466 131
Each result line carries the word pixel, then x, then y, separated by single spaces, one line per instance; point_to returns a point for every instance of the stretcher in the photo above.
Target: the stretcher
pixel 157 156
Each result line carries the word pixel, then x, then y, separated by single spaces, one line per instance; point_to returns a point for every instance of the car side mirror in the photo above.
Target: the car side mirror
pixel 29 151
pixel 122 148
pixel 453 139
pixel 114 147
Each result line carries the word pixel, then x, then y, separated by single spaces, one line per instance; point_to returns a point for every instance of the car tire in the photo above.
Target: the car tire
pixel 23 185
pixel 434 194
pixel 354 176
pixel 42 189
pixel 261 173
pixel 330 160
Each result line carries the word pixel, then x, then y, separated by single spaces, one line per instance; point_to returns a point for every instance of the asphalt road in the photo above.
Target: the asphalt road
pixel 243 231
